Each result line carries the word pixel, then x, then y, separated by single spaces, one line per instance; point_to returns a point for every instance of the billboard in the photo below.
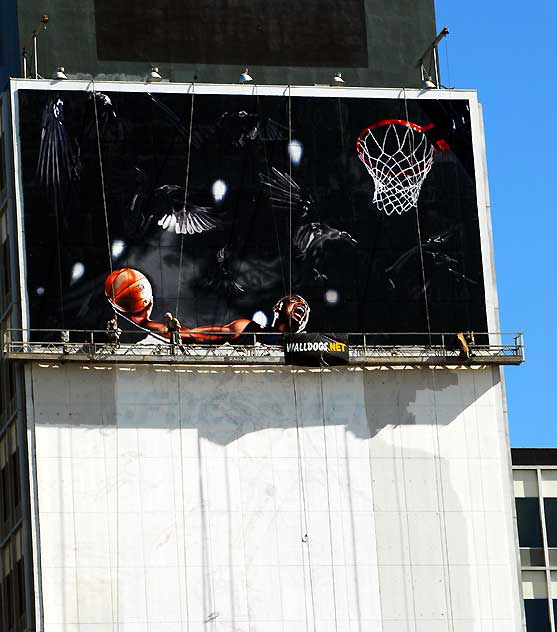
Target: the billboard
pixel 249 211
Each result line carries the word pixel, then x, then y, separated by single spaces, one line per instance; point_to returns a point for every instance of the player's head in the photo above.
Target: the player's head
pixel 290 314
pixel 129 292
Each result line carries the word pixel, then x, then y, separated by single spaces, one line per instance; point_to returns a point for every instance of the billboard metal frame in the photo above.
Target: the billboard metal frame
pixel 470 96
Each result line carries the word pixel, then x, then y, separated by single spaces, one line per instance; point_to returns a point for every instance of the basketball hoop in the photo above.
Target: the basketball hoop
pixel 398 156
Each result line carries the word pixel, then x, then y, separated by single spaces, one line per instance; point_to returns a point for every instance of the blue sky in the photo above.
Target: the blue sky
pixel 507 51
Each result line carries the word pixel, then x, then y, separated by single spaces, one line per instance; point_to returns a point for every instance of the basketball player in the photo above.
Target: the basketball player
pixel 130 294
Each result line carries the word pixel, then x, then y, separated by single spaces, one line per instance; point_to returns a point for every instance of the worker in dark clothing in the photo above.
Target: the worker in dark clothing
pixel 173 327
pixel 113 332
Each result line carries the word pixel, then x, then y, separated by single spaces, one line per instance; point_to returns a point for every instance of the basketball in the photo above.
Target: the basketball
pixel 128 290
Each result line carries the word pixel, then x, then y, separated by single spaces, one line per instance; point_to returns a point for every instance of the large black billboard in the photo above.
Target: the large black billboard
pixel 305 213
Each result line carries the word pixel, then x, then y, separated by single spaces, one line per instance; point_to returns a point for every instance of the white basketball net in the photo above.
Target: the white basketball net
pixel 398 157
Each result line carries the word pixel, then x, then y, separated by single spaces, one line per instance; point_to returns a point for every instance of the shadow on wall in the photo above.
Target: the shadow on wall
pixel 386 421
pixel 225 403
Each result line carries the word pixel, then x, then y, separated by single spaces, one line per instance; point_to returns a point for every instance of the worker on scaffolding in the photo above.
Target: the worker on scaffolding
pixel 464 343
pixel 113 332
pixel 173 328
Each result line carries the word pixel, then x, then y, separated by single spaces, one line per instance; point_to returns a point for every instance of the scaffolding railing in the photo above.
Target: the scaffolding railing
pixel 384 348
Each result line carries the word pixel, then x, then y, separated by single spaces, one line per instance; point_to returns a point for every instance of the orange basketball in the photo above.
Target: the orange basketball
pixel 128 290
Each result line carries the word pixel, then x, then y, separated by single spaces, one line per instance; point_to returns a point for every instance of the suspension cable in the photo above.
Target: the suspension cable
pixel 304 535
pixel 328 496
pixel 272 207
pixel 437 451
pixel 420 238
pixel 185 199
pixel 289 192
pixel 109 252
pixel 102 175
pixel 184 549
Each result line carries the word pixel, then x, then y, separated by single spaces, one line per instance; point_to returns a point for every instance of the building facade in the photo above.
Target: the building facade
pixel 16 593
pixel 213 485
pixel 535 490
pixel 372 42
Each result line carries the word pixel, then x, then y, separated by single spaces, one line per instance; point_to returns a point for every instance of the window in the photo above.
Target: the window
pixel 4 482
pixel 528 517
pixel 20 587
pixel 549 489
pixel 14 467
pixel 15 478
pixel 550 509
pixel 12 584
pixel 5 265
pixel 530 532
pixel 536 603
pixel 10 483
pixel 19 576
pixel 2 158
pixel 529 524
pixel 7 586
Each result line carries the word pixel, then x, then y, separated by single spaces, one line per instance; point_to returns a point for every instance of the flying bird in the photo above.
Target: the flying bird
pixel 311 239
pixel 167 206
pixel 243 128
pixel 221 277
pixel 238 128
pixel 59 155
pixel 434 251
pixel 172 212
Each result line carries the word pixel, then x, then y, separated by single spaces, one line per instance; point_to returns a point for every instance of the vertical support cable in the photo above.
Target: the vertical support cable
pixel 102 175
pixel 116 608
pixel 437 453
pixel 185 199
pixel 304 535
pixel 328 497
pixel 420 239
pixel 289 192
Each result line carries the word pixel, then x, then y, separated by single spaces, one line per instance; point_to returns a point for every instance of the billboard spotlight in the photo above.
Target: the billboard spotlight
pixel 154 76
pixel 59 75
pixel 245 77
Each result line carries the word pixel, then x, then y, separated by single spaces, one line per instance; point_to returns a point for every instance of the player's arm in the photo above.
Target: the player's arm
pixel 142 320
pixel 214 333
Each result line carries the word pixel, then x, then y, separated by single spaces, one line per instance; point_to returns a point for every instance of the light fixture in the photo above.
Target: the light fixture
pixel 59 75
pixel 245 77
pixel 40 27
pixel 431 59
pixel 154 76
pixel 337 79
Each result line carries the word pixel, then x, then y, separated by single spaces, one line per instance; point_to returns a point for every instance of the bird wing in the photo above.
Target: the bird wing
pixel 188 220
pixel 59 159
pixel 200 132
pixel 195 219
pixel 270 130
pixel 284 191
pixel 313 237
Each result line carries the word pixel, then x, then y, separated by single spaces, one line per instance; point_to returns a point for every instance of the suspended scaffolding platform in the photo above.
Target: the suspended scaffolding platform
pixel 369 349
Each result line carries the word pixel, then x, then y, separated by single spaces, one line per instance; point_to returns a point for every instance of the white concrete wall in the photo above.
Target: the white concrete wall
pixel 170 499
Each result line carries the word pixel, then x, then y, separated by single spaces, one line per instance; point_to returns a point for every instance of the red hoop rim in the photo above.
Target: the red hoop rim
pixel 414 126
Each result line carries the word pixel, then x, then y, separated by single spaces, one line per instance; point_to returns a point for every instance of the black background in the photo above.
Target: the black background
pixel 255 233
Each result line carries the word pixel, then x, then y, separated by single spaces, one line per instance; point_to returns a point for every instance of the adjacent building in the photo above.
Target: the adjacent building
pixel 535 491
